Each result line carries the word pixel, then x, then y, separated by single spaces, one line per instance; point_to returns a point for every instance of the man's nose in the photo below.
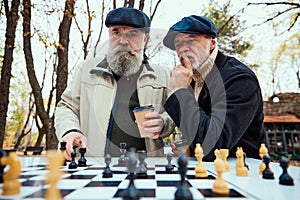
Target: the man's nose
pixel 182 49
pixel 123 39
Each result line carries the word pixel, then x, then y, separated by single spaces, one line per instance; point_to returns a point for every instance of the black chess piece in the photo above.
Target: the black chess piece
pixel 245 164
pixel 285 178
pixel 131 193
pixel 183 192
pixel 82 159
pixel 267 173
pixel 2 154
pixel 107 173
pixel 142 167
pixel 73 164
pixel 122 158
pixel 63 148
pixel 169 166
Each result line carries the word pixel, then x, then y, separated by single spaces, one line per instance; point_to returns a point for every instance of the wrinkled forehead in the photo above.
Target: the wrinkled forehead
pixel 184 36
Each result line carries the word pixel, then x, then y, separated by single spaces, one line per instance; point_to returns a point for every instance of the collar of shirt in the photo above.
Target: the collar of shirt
pixel 203 70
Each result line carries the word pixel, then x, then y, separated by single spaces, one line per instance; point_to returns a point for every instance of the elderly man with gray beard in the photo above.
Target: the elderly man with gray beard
pixel 96 110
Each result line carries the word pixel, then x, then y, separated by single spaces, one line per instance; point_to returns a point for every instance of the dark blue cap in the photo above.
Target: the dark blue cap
pixel 128 16
pixel 193 25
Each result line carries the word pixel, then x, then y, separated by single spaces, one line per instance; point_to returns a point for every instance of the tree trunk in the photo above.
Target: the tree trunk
pixel 11 24
pixel 36 89
pixel 63 49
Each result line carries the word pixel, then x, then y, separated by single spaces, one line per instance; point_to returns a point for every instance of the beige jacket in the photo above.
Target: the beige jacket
pixel 87 103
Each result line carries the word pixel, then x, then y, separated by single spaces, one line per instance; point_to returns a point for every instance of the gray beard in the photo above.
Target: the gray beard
pixel 126 64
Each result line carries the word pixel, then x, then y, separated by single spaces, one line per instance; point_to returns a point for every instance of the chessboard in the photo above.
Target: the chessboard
pixel 85 183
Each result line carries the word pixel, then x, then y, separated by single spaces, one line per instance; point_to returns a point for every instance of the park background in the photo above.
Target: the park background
pixel 42 42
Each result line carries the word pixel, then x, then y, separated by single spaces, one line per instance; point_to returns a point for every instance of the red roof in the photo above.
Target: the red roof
pixel 281 119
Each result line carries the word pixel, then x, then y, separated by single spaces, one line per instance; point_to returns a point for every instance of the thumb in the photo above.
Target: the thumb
pixel 184 60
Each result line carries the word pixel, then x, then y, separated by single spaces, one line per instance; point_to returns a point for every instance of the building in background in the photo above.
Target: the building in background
pixel 282 122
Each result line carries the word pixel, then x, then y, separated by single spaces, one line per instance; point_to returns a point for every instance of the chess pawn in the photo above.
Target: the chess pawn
pixel 107 173
pixel 220 186
pixel 224 154
pixel 73 164
pixel 63 148
pixel 55 161
pixel 200 169
pixel 82 159
pixel 142 167
pixel 11 185
pixel 183 192
pixel 267 173
pixel 262 152
pixel 240 168
pixel 169 166
pixel 285 178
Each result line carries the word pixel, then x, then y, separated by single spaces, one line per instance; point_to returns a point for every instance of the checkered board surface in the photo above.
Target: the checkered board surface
pixel 86 183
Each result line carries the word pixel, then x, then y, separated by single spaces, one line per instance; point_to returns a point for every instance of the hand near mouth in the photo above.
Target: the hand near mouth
pixel 184 60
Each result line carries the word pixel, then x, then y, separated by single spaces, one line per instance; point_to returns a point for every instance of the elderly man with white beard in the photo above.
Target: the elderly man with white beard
pixel 96 110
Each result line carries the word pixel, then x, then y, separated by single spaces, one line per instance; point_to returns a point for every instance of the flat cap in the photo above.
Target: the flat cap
pixel 128 16
pixel 193 25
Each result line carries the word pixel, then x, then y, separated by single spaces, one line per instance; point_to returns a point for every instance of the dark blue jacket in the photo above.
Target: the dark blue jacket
pixel 228 113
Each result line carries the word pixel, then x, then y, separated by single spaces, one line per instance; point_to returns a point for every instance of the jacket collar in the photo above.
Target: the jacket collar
pixel 102 68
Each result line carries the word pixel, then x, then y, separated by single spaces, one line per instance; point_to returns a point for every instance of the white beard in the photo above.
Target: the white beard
pixel 197 61
pixel 124 64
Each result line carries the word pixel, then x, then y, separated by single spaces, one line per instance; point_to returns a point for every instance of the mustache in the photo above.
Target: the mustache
pixel 124 48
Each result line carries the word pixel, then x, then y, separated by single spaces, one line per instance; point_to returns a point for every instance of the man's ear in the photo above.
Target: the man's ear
pixel 213 44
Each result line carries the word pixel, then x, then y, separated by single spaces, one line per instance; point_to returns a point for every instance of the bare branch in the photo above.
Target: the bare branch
pixel 85 44
pixel 85 41
pixel 114 4
pixel 141 4
pixel 23 131
pixel 293 24
pixel 155 9
pixel 276 3
pixel 232 17
pixel 131 3
pixel 101 29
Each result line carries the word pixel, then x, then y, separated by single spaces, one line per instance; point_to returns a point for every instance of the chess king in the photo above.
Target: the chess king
pixel 96 109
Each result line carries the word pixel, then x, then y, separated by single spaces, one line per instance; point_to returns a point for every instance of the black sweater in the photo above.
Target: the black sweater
pixel 228 113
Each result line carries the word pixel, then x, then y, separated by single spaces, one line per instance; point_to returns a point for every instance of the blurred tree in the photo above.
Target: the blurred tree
pixel 287 55
pixel 230 29
pixel 11 13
